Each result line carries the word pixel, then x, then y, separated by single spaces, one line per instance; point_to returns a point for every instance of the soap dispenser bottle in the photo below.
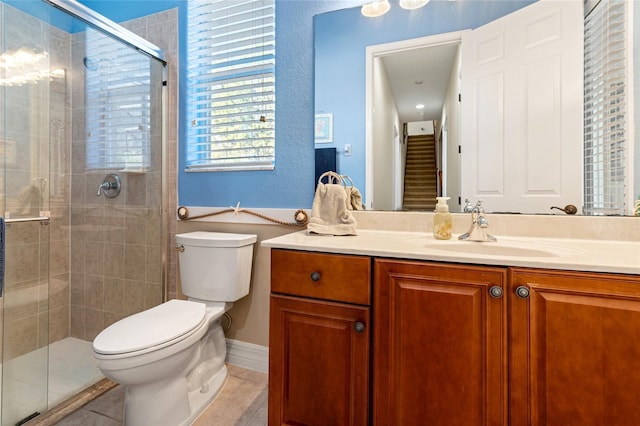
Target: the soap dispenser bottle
pixel 442 220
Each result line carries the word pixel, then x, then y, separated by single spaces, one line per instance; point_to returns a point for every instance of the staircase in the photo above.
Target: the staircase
pixel 420 188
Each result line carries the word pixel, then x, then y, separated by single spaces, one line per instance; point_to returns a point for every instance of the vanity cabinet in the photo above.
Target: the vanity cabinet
pixel 462 344
pixel 319 340
pixel 356 341
pixel 439 344
pixel 575 348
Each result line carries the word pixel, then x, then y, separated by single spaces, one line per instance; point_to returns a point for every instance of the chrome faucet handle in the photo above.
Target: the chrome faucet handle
pixel 110 186
pixel 481 220
pixel 468 208
pixel 103 185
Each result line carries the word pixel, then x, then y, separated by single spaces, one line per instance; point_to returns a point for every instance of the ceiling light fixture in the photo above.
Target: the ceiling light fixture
pixel 380 7
pixel 420 106
pixel 413 4
pixel 375 9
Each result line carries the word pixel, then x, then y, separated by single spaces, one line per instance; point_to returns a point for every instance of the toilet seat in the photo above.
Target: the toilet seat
pixel 151 330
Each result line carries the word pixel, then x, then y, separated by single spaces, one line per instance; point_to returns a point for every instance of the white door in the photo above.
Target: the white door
pixel 522 109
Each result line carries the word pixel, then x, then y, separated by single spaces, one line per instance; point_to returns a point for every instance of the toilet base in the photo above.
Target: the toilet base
pixel 139 412
pixel 200 400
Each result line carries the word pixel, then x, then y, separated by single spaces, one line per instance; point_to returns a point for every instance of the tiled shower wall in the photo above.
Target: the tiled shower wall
pixel 116 245
pixel 115 242
pixel 161 29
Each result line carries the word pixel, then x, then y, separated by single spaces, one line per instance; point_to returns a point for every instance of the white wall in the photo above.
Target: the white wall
pixel 420 128
pixel 453 122
pixel 385 160
pixel 636 83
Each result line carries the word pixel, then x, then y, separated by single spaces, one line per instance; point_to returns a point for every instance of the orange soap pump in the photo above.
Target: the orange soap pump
pixel 442 220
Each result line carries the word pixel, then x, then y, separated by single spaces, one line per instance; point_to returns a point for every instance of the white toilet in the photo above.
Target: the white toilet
pixel 170 358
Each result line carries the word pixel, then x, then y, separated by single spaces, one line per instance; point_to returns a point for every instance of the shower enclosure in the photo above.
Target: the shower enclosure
pixel 81 177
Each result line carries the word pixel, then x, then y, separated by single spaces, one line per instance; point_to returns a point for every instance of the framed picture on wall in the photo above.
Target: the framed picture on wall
pixel 324 128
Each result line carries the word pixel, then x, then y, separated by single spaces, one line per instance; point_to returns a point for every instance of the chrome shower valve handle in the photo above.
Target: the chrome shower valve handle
pixel 110 187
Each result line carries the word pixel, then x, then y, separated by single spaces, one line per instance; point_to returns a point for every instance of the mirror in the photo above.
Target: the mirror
pixel 341 40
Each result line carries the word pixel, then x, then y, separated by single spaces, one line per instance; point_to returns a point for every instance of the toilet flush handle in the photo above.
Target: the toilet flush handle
pixel 180 248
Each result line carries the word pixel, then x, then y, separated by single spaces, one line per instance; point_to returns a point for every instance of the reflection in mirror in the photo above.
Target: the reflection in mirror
pixel 412 84
pixel 342 38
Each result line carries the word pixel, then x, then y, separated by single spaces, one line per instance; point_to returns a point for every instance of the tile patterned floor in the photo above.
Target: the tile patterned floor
pixel 242 402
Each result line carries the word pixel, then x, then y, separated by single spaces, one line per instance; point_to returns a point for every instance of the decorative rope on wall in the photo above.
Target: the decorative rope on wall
pixel 301 218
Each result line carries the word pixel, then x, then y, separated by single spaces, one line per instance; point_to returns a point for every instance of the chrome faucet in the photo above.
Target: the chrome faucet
pixel 479 225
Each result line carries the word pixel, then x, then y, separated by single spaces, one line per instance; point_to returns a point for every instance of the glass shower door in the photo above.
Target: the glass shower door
pixel 25 306
pixel 25 119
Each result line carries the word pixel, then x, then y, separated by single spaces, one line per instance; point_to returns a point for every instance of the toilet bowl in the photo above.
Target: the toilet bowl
pixel 170 358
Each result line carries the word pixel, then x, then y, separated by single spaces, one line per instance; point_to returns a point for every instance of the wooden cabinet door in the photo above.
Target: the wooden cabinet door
pixel 439 345
pixel 575 349
pixel 318 363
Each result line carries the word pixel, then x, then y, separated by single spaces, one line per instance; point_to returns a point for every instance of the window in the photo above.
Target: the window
pixel 607 167
pixel 231 82
pixel 117 83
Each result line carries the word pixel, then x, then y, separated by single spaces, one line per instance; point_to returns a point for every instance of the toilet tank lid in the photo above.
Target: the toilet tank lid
pixel 149 328
pixel 215 239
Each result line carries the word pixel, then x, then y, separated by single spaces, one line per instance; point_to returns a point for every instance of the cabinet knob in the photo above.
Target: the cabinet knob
pixel 315 276
pixel 522 292
pixel 496 292
pixel 359 327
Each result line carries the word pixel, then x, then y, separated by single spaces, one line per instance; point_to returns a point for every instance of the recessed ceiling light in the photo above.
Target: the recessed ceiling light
pixel 420 106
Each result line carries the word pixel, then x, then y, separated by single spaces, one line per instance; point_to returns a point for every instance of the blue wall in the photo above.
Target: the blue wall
pixel 125 10
pixel 291 184
pixel 45 13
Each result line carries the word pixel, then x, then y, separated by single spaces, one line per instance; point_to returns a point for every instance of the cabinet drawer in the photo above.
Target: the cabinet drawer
pixel 321 276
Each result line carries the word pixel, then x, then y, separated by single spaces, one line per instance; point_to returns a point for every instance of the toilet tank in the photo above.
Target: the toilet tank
pixel 215 266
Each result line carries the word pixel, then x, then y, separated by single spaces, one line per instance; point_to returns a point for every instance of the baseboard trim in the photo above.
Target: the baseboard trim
pixel 248 355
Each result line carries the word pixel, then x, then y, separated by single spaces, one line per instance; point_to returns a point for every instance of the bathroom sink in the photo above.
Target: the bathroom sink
pixel 491 249
pixel 499 248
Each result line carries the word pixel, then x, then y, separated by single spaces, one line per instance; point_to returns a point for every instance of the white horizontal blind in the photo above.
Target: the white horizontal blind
pixel 231 71
pixel 118 107
pixel 605 109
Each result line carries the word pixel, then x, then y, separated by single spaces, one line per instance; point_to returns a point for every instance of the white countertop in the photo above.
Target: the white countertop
pixel 549 253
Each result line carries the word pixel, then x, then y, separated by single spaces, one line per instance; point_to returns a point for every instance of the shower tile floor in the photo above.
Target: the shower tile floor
pixel 71 369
